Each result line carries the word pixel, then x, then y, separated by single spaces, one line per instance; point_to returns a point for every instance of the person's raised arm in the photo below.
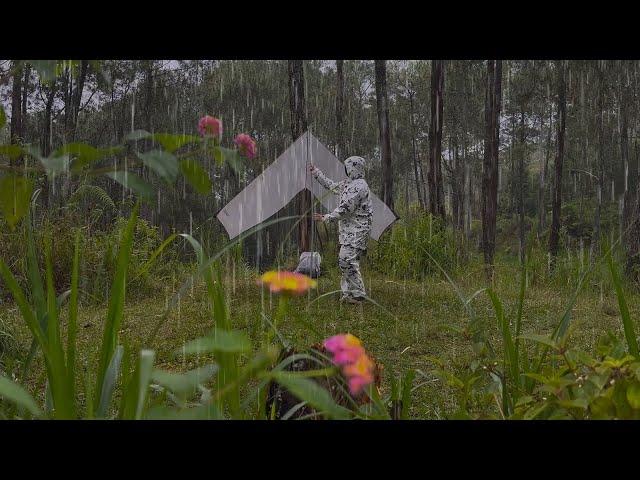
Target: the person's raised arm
pixel 347 205
pixel 323 180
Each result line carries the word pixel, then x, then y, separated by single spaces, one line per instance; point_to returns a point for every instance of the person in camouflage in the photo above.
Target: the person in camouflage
pixel 354 215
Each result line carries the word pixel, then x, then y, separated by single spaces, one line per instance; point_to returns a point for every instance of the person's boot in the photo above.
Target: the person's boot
pixel 350 300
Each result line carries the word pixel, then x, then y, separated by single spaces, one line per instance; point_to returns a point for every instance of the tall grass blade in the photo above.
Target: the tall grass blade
pixel 109 383
pixel 72 328
pixel 116 302
pixel 627 322
pixel 16 394
pixel 308 390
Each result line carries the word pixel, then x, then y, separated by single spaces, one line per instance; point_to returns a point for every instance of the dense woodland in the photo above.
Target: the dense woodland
pixel 498 169
pixel 550 147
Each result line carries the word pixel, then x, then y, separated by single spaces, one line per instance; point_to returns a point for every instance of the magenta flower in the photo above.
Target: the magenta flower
pixel 246 145
pixel 210 126
pixel 349 353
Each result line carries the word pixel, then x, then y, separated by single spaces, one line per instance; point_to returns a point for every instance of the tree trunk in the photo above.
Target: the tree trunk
pixel 298 127
pixel 25 96
pixel 148 113
pixel 467 194
pixel 340 147
pixel 46 141
pixel 631 205
pixel 490 163
pixel 416 160
pixel 542 213
pixel 385 136
pixel 76 98
pixel 554 235
pixel 16 104
pixel 595 242
pixel 436 193
pixel 521 177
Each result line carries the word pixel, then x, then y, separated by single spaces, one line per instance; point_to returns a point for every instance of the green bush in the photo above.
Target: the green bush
pixel 531 376
pixel 412 245
pixel 99 253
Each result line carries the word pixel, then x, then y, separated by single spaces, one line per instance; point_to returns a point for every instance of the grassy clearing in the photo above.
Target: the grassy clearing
pixel 410 329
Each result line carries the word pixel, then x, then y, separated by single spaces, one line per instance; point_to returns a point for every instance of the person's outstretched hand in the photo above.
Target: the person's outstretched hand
pixel 318 217
pixel 312 168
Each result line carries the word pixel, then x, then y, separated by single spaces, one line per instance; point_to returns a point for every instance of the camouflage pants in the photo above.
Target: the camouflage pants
pixel 349 263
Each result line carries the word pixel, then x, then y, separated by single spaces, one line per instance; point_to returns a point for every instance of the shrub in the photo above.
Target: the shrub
pixel 407 249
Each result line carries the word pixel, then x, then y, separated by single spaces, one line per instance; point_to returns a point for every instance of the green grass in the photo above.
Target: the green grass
pixel 411 327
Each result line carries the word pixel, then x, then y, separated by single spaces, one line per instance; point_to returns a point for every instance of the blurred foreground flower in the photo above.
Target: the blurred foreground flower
pixel 356 365
pixel 346 349
pixel 287 282
pixel 246 145
pixel 210 126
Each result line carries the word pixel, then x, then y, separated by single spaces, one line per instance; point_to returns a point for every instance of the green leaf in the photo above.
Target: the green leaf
pixel 132 182
pixel 524 400
pixel 149 263
pixel 197 177
pixel 185 384
pixel 11 151
pixel 580 403
pixel 84 154
pixel 145 368
pixel 171 143
pixel 219 341
pixel 309 391
pixel 538 377
pixel 627 322
pixel 14 393
pixel 3 117
pixel 165 164
pixel 137 135
pixel 115 312
pixel 55 164
pixel 15 193
pixel 201 412
pixel 109 382
pixel 232 157
pixel 540 339
pixel 407 384
pixel 602 408
pixel 534 411
pixel 633 395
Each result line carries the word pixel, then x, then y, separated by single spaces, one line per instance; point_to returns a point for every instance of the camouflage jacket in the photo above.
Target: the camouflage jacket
pixel 354 212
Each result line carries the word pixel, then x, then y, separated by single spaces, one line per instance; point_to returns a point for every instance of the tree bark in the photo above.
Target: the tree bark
pixel 25 96
pixel 298 127
pixel 554 235
pixel 490 162
pixel 148 82
pixel 340 147
pixel 542 214
pixel 385 136
pixel 416 159
pixel 521 183
pixel 16 104
pixel 76 98
pixel 46 141
pixel 595 242
pixel 436 193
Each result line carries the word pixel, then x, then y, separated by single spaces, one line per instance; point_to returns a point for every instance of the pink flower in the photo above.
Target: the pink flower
pixel 346 349
pixel 359 374
pixel 246 145
pixel 210 126
pixel 349 353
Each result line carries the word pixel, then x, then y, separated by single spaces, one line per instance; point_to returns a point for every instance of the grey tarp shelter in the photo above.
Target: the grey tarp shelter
pixel 281 181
